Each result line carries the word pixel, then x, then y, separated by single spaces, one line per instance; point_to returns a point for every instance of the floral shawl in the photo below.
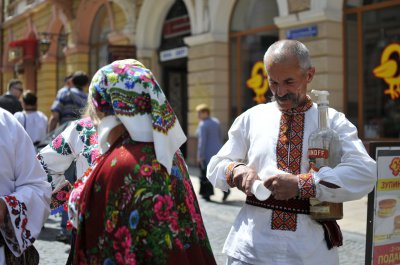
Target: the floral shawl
pixel 132 211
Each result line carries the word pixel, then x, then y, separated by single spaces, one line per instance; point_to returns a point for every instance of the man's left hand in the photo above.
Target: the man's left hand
pixel 283 186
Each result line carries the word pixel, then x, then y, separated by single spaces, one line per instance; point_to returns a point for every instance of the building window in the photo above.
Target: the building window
pixel 372 63
pixel 99 40
pixel 252 31
pixel 61 63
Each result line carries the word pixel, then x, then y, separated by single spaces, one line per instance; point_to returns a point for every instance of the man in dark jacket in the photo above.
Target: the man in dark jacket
pixel 10 100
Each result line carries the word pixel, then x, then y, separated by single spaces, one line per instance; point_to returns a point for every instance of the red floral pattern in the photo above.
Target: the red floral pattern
pixel 131 211
pixel 17 211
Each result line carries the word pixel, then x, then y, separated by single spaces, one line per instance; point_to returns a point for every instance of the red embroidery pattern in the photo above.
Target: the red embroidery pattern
pixel 306 186
pixel 284 221
pixel 18 214
pixel 288 152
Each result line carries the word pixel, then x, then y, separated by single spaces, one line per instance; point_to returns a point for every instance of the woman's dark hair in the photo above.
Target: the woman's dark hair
pixel 80 79
pixel 29 98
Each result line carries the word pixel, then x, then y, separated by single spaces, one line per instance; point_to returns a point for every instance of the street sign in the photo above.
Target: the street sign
pixel 310 31
pixel 173 54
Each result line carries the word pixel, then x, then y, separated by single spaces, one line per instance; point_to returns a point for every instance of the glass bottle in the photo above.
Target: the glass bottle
pixel 324 150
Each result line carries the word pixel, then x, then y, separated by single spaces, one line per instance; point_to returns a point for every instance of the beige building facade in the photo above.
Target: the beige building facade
pixel 210 51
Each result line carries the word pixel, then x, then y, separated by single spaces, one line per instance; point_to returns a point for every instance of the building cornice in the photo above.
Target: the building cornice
pixel 29 11
pixel 205 38
pixel 307 17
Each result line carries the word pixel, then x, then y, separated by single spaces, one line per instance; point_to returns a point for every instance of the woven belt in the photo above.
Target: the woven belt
pixel 293 205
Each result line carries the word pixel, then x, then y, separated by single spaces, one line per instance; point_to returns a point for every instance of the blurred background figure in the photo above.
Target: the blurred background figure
pixel 209 141
pixel 10 100
pixel 70 154
pixel 68 106
pixel 70 100
pixel 137 205
pixel 33 121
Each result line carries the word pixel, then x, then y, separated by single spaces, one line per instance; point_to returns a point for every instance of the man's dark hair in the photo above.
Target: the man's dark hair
pixel 13 82
pixel 29 98
pixel 68 77
pixel 80 79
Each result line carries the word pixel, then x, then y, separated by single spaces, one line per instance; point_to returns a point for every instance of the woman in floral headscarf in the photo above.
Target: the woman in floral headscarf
pixel 138 205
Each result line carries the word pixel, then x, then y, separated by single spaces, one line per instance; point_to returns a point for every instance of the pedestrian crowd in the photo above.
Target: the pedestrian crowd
pixel 109 162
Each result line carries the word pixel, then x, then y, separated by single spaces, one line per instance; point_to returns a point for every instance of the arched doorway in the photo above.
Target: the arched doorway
pixel 99 40
pixel 252 31
pixel 61 70
pixel 173 60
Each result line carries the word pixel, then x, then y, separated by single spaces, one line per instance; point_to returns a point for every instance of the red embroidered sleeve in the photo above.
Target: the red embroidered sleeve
pixel 307 187
pixel 17 212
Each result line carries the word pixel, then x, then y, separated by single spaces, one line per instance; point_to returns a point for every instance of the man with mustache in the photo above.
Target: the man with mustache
pixel 270 142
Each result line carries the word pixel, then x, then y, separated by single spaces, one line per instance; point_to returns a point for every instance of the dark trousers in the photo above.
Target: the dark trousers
pixel 206 188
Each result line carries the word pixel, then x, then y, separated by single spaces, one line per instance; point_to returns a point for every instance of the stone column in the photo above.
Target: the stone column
pixel 326 48
pixel 46 85
pixel 208 81
pixel 77 59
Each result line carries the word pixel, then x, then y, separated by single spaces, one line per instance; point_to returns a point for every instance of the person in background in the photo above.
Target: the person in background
pixel 10 100
pixel 33 121
pixel 270 138
pixel 69 101
pixel 137 205
pixel 24 194
pixel 70 153
pixel 209 141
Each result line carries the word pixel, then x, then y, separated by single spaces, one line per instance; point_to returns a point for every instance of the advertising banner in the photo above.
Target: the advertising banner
pixel 385 239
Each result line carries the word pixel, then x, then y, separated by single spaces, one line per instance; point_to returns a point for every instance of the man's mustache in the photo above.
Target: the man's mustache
pixel 289 96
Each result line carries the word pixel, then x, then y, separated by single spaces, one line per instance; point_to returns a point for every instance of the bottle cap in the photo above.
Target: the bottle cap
pixel 260 191
pixel 322 96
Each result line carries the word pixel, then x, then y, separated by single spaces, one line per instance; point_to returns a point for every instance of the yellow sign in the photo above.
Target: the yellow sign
pixel 388 184
pixel 258 82
pixel 387 70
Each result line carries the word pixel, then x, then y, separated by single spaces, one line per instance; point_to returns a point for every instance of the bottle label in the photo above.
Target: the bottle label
pixel 318 153
pixel 320 209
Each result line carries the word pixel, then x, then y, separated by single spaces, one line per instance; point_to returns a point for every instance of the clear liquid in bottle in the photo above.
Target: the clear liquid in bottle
pixel 324 150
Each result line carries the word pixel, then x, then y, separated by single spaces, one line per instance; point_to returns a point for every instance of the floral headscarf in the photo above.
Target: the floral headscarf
pixel 128 90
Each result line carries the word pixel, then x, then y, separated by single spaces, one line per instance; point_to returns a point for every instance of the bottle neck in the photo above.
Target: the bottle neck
pixel 323 117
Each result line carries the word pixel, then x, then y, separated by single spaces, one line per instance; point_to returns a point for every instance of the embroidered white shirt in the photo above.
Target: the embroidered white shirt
pixel 24 185
pixel 253 138
pixel 34 123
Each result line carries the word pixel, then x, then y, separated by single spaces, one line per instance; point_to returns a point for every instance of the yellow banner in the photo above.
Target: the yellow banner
pixel 388 184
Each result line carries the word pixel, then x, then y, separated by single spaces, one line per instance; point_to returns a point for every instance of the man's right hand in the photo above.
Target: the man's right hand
pixel 243 177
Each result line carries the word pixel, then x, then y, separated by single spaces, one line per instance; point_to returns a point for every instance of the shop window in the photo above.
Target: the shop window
pixel 372 63
pixel 99 40
pixel 251 33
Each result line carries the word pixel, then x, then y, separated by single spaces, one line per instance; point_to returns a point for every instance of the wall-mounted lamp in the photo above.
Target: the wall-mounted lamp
pixel 45 39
